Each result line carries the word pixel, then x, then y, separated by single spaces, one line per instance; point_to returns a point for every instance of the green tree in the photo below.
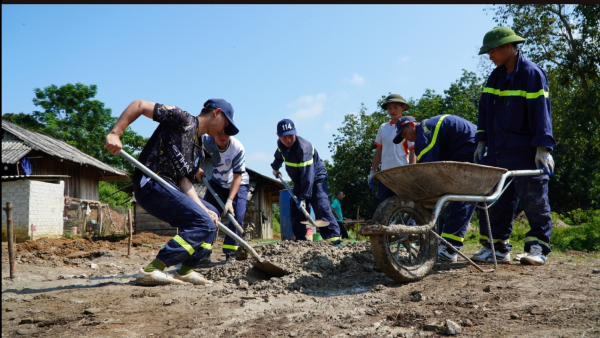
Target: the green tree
pixel 70 113
pixel 353 151
pixel 24 120
pixel 565 40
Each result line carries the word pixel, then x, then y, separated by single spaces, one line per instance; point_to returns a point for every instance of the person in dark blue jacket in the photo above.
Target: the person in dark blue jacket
pixel 308 172
pixel 515 124
pixel 443 138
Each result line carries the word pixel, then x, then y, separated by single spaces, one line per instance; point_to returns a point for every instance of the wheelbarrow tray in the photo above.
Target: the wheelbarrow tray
pixel 427 182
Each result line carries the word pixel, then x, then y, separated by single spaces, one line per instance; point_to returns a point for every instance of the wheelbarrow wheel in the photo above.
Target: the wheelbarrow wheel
pixel 403 258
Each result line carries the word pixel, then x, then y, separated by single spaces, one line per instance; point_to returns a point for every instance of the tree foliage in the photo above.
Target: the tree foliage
pixel 71 114
pixel 565 40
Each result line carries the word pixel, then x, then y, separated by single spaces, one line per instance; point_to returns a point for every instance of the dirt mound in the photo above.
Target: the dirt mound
pixel 317 268
pixel 65 246
pixel 147 238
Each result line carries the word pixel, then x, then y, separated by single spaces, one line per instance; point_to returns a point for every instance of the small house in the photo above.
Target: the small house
pixel 55 170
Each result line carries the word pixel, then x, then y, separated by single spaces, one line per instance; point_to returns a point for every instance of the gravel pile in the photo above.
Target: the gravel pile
pixel 314 268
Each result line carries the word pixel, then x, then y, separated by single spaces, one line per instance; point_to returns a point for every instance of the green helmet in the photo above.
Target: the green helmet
pixel 497 37
pixel 394 98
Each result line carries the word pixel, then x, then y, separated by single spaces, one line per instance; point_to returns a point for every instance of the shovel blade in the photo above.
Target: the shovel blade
pixel 270 269
pixel 318 223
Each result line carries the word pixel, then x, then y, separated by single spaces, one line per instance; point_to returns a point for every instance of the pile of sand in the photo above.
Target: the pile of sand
pixel 314 268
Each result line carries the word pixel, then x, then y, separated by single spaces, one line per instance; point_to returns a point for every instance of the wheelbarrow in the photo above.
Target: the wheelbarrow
pixel 407 253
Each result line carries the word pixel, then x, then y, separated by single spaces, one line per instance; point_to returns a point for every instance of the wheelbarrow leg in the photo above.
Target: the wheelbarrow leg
pixel 490 238
pixel 458 251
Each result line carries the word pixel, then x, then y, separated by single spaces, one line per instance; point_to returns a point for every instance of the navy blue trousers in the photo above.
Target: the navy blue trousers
pixel 532 192
pixel 320 202
pixel 239 209
pixel 383 193
pixel 196 230
pixel 454 227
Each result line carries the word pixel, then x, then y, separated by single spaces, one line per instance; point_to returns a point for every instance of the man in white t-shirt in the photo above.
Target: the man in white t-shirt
pixel 389 154
pixel 229 180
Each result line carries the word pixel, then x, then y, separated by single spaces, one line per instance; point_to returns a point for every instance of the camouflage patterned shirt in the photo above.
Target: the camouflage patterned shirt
pixel 174 150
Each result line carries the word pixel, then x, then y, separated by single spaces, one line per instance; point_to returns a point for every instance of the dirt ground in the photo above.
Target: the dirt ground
pixel 73 288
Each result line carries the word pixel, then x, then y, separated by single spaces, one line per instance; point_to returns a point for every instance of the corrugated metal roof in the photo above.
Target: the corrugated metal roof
pixel 12 151
pixel 57 148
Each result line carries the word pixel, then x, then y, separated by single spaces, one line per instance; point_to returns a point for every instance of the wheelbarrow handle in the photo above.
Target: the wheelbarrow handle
pixel 158 179
pixel 229 215
pixel 306 214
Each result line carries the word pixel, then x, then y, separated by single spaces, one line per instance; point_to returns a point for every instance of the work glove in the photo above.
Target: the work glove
pixel 301 204
pixel 370 178
pixel 478 156
pixel 543 160
pixel 228 207
pixel 276 173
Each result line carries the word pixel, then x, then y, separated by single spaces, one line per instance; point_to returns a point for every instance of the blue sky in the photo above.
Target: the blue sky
pixel 313 64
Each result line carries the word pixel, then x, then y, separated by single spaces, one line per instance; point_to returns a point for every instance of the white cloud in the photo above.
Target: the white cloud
pixel 356 80
pixel 403 58
pixel 258 157
pixel 307 107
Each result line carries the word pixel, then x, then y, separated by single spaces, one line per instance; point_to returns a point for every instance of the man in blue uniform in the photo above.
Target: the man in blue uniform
pixel 174 152
pixel 308 172
pixel 515 124
pixel 443 138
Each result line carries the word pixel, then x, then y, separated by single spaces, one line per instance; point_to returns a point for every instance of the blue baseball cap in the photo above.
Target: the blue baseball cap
pixel 402 122
pixel 286 127
pixel 227 109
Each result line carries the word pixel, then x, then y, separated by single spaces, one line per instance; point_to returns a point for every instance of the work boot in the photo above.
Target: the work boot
pixel 337 243
pixel 444 256
pixel 482 255
pixel 230 258
pixel 193 277
pixel 535 256
pixel 154 278
pixel 501 258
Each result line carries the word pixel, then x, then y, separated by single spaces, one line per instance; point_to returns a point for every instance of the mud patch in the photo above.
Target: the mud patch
pixel 316 268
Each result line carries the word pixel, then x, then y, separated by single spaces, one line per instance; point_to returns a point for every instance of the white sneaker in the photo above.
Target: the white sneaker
pixel 193 277
pixel 155 278
pixel 535 256
pixel 501 258
pixel 482 255
pixel 444 256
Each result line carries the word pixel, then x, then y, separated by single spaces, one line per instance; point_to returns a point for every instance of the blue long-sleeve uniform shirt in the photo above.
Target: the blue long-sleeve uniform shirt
pixel 303 165
pixel 515 115
pixel 445 138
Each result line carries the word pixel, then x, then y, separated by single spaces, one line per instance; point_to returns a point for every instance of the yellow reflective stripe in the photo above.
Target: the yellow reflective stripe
pixel 335 239
pixel 230 247
pixel 522 93
pixel 206 246
pixel 454 237
pixel 298 165
pixel 435 134
pixel 480 131
pixel 184 244
pixel 485 238
pixel 534 239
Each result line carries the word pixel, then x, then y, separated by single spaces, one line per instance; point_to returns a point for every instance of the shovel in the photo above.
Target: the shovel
pixel 318 224
pixel 265 266
pixel 231 218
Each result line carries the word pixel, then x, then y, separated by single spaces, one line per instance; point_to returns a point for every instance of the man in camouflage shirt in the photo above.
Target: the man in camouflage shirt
pixel 174 152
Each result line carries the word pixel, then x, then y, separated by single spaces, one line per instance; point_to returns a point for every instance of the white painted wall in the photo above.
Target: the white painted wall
pixel 37 203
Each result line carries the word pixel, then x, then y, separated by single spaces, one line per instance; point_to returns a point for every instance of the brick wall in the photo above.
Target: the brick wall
pixel 37 203
pixel 16 192
pixel 46 205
